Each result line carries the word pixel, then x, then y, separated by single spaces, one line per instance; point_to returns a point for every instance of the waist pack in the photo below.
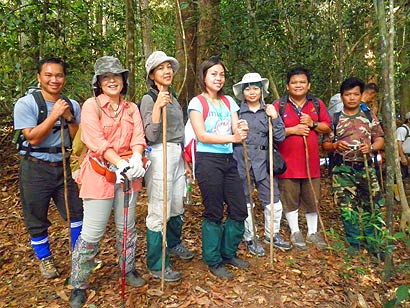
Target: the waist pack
pixel 103 167
pixel 279 164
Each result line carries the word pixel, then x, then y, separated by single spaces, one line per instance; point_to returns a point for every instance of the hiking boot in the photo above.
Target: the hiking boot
pixel 255 249
pixel 170 275
pixel 235 261
pixel 278 242
pixel 134 279
pixel 77 298
pixel 317 239
pixel 181 252
pixel 221 271
pixel 47 268
pixel 297 240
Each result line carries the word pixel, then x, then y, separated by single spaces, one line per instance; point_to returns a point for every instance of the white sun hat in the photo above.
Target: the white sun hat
pixel 251 79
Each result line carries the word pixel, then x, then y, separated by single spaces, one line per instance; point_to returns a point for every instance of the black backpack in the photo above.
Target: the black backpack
pixel 18 137
pixel 283 100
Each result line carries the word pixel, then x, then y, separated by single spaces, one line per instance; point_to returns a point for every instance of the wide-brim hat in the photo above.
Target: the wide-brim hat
pixel 108 64
pixel 250 78
pixel 158 57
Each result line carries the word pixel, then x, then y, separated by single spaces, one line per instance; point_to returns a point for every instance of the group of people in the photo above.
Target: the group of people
pixel 118 134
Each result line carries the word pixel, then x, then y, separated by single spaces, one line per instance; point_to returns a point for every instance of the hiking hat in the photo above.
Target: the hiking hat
pixel 407 116
pixel 108 64
pixel 251 79
pixel 158 57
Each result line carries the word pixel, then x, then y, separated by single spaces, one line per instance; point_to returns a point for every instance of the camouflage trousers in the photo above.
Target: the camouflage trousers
pixel 361 218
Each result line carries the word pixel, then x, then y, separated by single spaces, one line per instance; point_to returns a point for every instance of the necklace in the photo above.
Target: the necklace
pixel 116 111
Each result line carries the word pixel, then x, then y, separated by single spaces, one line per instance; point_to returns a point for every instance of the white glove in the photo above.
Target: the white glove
pixel 137 169
pixel 125 167
pixel 119 177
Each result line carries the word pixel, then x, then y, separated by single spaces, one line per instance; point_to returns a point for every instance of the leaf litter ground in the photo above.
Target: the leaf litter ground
pixel 309 278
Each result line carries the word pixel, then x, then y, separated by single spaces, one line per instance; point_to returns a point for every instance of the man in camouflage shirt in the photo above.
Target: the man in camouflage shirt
pixel 355 139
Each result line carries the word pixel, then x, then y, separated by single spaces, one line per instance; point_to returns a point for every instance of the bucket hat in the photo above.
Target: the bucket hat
pixel 250 78
pixel 108 64
pixel 407 116
pixel 158 57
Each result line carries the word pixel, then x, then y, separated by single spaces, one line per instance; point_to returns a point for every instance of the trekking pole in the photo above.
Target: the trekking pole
pixel 126 190
pixel 248 180
pixel 272 188
pixel 313 190
pixel 67 208
pixel 369 184
pixel 165 194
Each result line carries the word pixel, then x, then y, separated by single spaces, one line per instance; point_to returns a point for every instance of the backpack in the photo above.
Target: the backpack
pixel 18 137
pixel 284 100
pixel 189 135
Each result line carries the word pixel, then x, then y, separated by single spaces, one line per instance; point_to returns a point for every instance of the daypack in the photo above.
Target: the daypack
pixel 189 135
pixel 284 100
pixel 18 137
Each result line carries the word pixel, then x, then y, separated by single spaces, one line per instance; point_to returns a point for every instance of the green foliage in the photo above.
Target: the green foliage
pixel 402 294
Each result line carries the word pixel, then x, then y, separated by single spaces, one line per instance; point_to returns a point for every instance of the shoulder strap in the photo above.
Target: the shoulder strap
pixel 205 106
pixel 282 105
pixel 226 101
pixel 42 107
pixel 368 115
pixel 69 103
pixel 336 117
pixel 316 103
pixel 407 130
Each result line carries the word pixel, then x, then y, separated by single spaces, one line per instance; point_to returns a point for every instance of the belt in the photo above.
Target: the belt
pixel 356 164
pixel 257 147
pixel 49 163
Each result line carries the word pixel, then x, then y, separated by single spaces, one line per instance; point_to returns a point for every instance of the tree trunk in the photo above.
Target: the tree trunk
pixel 187 25
pixel 130 28
pixel 208 30
pixel 146 28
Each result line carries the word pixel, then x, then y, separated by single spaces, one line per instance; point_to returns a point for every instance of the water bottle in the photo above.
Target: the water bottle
pixel 188 190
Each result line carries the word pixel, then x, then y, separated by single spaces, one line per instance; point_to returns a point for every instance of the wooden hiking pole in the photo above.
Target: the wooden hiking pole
pixel 248 180
pixel 313 190
pixel 67 208
pixel 164 194
pixel 272 189
pixel 369 184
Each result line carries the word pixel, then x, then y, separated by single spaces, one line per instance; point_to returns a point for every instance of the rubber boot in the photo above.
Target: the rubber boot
pixel 131 274
pixel 231 237
pixel 174 231
pixel 154 251
pixel 211 242
pixel 83 263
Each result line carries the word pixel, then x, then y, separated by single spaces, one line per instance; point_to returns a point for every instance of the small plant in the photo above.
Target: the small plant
pixel 402 294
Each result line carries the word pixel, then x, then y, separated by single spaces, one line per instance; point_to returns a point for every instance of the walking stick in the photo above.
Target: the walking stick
pixel 67 208
pixel 126 190
pixel 369 185
pixel 165 194
pixel 248 180
pixel 272 188
pixel 313 190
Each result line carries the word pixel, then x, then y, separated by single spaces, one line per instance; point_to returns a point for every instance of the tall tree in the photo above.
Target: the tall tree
pixel 130 30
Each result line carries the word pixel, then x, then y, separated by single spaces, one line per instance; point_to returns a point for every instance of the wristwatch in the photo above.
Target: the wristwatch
pixel 70 121
pixel 314 125
pixel 372 149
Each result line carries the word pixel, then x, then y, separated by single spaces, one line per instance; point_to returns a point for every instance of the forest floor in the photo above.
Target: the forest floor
pixel 309 278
